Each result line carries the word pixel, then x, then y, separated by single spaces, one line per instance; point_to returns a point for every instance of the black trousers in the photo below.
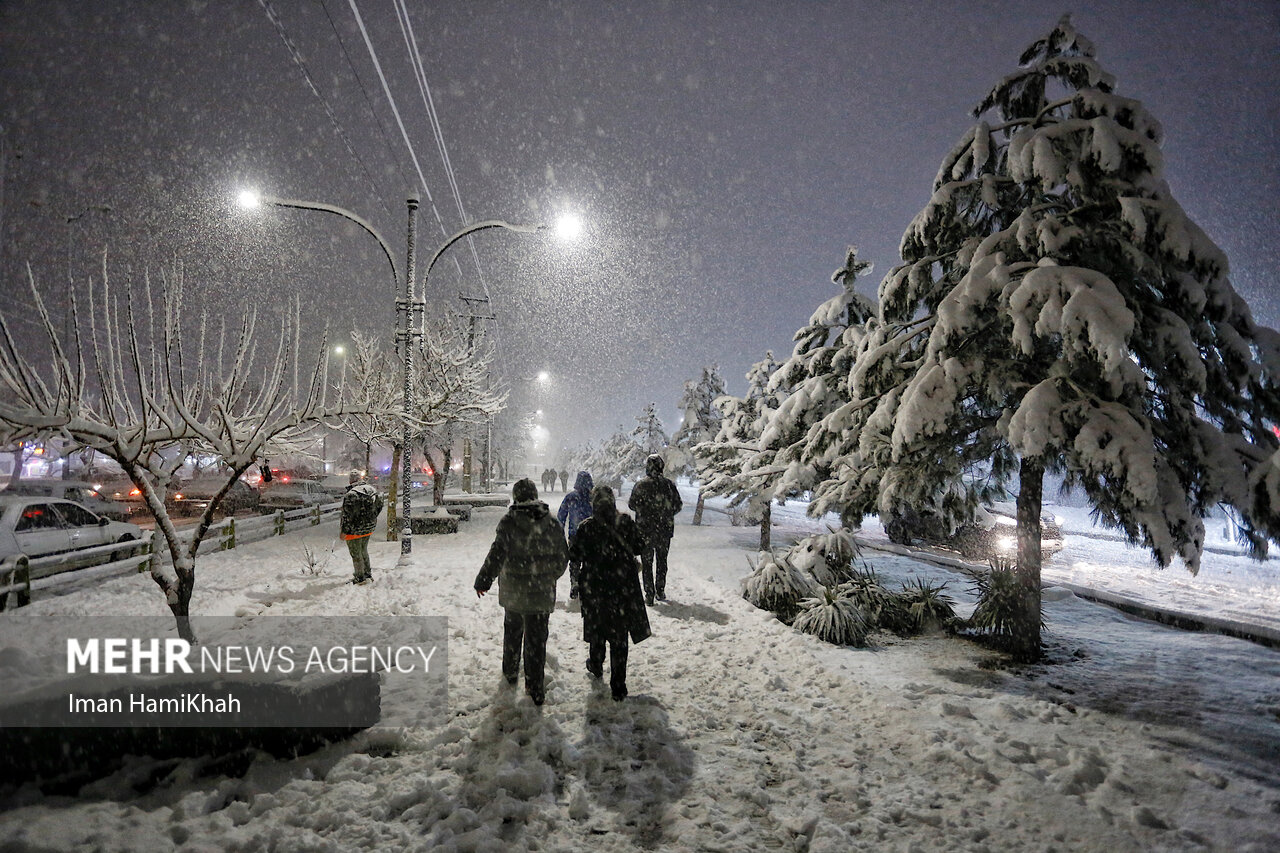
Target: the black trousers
pixel 618 648
pixel 525 632
pixel 655 547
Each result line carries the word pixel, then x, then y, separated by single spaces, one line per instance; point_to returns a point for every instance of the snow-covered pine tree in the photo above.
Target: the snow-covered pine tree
pixel 1083 323
pixel 817 375
pixel 728 463
pixel 701 423
pixel 648 437
pixel 612 460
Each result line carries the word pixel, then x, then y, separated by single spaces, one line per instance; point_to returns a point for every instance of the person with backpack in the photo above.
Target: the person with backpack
pixel 656 501
pixel 360 507
pixel 613 612
pixel 527 557
pixel 574 509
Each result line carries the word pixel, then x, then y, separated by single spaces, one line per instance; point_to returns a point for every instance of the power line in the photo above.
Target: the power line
pixel 306 75
pixel 424 88
pixel 382 128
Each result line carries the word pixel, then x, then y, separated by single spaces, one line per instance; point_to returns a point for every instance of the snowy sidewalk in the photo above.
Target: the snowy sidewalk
pixel 740 734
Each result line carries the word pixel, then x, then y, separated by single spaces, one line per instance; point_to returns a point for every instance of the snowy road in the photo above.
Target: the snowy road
pixel 739 735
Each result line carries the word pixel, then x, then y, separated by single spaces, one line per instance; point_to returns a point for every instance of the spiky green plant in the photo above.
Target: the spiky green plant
pixel 925 605
pixel 1004 599
pixel 880 607
pixel 834 618
pixel 776 585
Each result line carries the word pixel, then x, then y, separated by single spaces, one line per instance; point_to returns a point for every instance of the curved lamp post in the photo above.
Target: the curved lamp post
pixel 404 304
pixel 568 227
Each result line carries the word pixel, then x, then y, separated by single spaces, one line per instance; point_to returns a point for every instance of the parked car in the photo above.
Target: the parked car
pixel 193 498
pixel 35 526
pixel 122 489
pixel 992 533
pixel 84 493
pixel 293 494
pixel 333 485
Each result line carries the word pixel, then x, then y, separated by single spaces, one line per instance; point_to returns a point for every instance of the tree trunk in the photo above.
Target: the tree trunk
pixel 368 457
pixel 1030 494
pixel 697 511
pixel 393 504
pixel 766 521
pixel 440 479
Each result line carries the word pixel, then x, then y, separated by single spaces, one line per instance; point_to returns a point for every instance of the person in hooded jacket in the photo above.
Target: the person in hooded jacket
pixel 574 509
pixel 613 610
pixel 527 557
pixel 656 501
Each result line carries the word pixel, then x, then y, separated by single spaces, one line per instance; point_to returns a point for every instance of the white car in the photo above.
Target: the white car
pixel 34 526
pixel 82 492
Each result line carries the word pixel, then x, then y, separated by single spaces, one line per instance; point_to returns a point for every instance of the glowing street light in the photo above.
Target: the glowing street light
pixel 568 227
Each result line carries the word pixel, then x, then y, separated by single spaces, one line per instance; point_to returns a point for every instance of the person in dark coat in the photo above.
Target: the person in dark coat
pixel 527 558
pixel 360 507
pixel 656 501
pixel 613 611
pixel 564 480
pixel 574 509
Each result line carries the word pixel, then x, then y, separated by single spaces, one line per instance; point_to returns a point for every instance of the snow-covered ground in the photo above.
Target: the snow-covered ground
pixel 739 734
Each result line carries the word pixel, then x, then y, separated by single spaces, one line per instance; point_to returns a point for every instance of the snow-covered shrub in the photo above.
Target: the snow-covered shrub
pixel 834 618
pixel 828 557
pixel 777 585
pixel 880 607
pixel 1005 602
pixel 925 606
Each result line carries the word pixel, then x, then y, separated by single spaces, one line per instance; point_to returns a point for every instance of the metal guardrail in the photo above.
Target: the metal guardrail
pixel 17 573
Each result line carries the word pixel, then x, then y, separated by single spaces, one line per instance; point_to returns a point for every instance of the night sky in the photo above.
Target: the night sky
pixel 722 156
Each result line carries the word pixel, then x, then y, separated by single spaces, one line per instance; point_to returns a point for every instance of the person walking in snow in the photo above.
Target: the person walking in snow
pixel 613 612
pixel 360 507
pixel 527 557
pixel 656 501
pixel 564 479
pixel 574 509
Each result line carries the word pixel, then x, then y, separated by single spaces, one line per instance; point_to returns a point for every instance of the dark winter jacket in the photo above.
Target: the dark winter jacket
pixel 656 501
pixel 576 506
pixel 527 557
pixel 360 507
pixel 609 581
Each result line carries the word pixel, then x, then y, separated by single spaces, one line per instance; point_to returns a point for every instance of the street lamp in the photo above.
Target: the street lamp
pixel 252 199
pixel 567 227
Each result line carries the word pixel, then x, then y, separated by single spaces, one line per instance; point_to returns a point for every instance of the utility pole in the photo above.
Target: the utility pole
pixel 467 465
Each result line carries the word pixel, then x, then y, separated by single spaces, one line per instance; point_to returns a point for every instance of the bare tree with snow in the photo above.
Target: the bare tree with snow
pixel 371 382
pixel 454 394
pixel 139 386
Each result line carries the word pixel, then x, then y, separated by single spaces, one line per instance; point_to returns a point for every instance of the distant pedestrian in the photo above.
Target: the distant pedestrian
pixel 564 479
pixel 527 558
pixel 613 612
pixel 656 501
pixel 574 509
pixel 360 507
